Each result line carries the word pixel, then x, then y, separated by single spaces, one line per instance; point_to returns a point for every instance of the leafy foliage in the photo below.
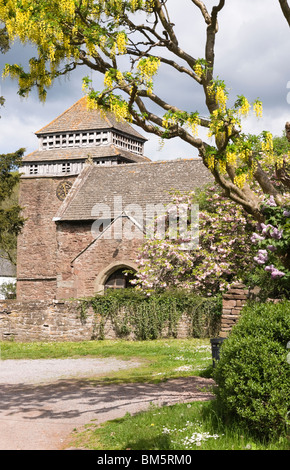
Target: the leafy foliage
pixel 8 290
pixel 11 221
pixel 253 375
pixel 150 317
pixel 128 42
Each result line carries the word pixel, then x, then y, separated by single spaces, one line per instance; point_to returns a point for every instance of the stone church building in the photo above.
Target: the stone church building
pixel 80 193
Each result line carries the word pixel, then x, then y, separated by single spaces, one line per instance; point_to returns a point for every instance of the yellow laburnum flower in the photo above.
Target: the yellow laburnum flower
pixel 102 41
pixel 267 145
pixel 149 5
pixel 193 123
pixel 211 162
pixel 113 50
pixel 223 167
pixel 281 159
pixel 194 129
pixel 240 180
pixel 231 158
pixel 198 70
pixel 219 95
pixel 258 109
pixel 121 43
pixel 134 4
pixel 120 109
pixel 245 108
pixel 215 124
pixel 67 7
pixel 108 81
pixel 169 121
pixel 120 77
pixel 245 154
pixel 148 67
pixel 221 98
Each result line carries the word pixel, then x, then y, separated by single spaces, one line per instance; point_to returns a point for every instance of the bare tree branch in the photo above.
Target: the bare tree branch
pixel 166 23
pixel 203 10
pixel 285 9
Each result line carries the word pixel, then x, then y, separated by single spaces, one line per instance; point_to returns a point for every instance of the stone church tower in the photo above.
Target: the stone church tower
pixel 86 160
pixel 47 177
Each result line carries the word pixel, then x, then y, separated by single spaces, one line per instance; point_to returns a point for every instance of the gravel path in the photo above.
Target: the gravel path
pixel 43 401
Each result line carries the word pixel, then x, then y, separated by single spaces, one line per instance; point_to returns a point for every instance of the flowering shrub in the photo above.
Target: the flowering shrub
pixel 273 242
pixel 225 252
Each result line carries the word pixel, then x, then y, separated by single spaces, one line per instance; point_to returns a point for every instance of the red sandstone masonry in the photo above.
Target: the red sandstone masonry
pixel 80 261
pixel 53 321
pixel 233 302
pixel 37 246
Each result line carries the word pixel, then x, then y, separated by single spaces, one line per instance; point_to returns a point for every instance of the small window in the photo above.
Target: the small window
pixel 33 169
pixel 66 167
pixel 119 279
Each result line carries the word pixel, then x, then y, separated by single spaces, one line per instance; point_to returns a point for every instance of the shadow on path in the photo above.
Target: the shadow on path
pixel 69 400
pixel 42 416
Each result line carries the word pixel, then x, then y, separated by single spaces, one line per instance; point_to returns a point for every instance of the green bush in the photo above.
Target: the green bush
pixel 8 290
pixel 253 374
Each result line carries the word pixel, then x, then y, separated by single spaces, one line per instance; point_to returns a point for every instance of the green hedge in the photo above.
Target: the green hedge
pixel 253 374
pixel 146 317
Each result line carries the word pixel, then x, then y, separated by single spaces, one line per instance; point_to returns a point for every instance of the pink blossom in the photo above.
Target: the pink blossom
pixel 256 237
pixel 276 234
pixel 276 273
pixel 272 202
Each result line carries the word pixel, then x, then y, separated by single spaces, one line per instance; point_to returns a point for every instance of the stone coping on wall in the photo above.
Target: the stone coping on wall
pixel 40 320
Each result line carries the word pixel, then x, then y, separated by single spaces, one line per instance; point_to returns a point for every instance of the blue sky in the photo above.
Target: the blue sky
pixel 252 56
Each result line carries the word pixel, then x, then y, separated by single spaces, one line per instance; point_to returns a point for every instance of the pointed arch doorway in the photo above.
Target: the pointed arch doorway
pixel 119 279
pixel 115 276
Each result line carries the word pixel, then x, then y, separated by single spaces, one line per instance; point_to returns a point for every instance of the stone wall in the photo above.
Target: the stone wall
pixel 45 321
pixel 29 321
pixel 48 321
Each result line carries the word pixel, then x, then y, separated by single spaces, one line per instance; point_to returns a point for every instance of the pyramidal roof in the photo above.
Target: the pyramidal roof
pixel 79 118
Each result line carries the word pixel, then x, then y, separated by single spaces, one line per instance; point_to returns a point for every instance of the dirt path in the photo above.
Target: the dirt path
pixel 43 401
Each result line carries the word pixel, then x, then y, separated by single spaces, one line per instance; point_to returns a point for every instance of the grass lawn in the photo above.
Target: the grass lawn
pixel 160 359
pixel 193 426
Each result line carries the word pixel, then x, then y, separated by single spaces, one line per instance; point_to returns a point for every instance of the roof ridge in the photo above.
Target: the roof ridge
pixel 151 162
pixel 60 115
pixel 77 185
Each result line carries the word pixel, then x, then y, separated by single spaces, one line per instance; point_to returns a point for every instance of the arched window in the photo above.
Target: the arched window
pixel 119 279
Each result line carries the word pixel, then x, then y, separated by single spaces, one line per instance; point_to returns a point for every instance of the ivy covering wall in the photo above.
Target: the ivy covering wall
pixel 150 317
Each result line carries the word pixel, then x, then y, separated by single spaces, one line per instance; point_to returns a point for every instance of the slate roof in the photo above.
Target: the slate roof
pixel 79 118
pixel 82 153
pixel 7 269
pixel 135 183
